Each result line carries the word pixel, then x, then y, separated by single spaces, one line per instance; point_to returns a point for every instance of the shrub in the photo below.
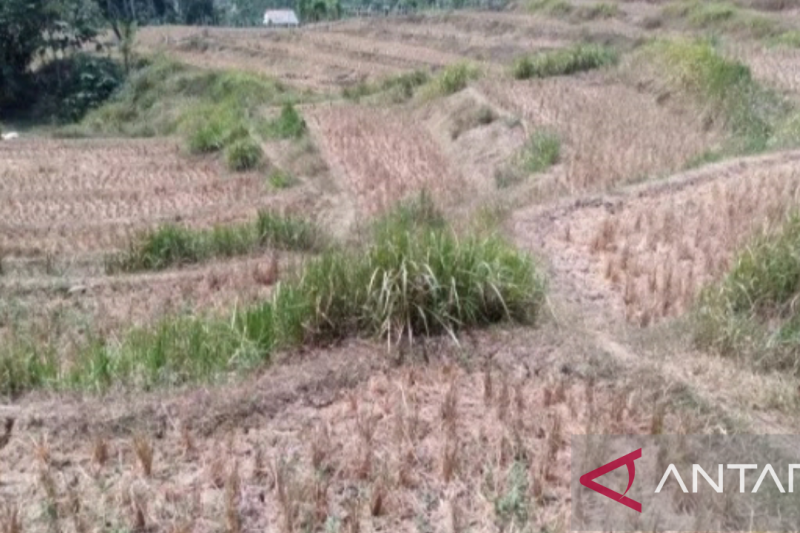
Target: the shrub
pixel 66 89
pixel 243 154
pixel 563 61
pixel 542 150
pixel 752 311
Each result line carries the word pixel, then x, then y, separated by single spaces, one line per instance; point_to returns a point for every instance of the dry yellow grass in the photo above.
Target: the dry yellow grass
pixel 430 444
pixel 611 133
pixel 653 248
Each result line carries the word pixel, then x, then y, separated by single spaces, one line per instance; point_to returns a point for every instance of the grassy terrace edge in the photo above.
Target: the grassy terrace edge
pixel 171 245
pixel 414 277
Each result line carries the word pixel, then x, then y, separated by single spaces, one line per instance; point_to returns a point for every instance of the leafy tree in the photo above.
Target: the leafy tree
pixel 31 28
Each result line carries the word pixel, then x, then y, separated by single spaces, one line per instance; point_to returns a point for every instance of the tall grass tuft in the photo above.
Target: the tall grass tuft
pixel 287 232
pixel 243 154
pixel 451 80
pixel 752 313
pixel 542 151
pixel 288 125
pixel 564 61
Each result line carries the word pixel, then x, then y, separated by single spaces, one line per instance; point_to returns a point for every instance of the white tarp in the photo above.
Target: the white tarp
pixel 281 17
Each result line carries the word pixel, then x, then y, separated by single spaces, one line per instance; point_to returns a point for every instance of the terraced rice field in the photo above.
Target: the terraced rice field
pixel 353 435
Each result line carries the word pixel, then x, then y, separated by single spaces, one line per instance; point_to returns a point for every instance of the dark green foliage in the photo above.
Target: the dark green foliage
pixel 69 88
pixel 43 29
pixel 564 61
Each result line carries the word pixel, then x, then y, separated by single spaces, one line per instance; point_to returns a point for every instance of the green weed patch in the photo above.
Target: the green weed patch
pixel 563 62
pixel 171 245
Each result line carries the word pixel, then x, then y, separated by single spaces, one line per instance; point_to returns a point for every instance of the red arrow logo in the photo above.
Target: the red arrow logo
pixel 587 480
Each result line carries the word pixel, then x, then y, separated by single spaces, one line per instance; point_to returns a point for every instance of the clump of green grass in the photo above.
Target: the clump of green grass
pixel 26 365
pixel 542 151
pixel 288 125
pixel 563 61
pixel 243 154
pixel 413 277
pixel 418 280
pixel 171 245
pixel 752 312
pixel 451 80
pixel 789 38
pixel 281 179
pixel 726 88
pixel 287 232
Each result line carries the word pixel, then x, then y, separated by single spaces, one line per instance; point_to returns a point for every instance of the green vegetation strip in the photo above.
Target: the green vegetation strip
pixel 563 61
pixel 752 313
pixel 173 245
pixel 214 110
pixel 758 118
pixel 577 13
pixel 414 277
pixel 723 16
pixel 450 80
